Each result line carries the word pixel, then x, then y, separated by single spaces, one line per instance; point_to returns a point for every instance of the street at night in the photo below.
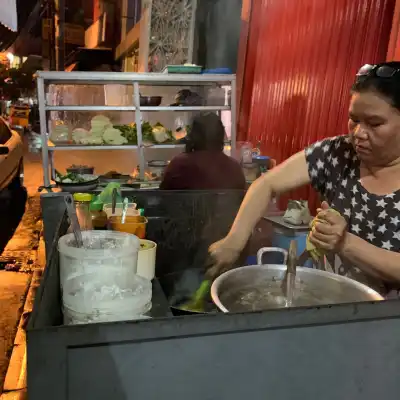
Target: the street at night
pixel 199 199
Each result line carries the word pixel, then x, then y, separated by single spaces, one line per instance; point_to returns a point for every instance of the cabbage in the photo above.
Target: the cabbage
pixel 114 136
pixel 160 134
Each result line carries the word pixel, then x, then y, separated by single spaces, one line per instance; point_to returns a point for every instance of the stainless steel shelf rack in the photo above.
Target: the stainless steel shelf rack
pixel 103 78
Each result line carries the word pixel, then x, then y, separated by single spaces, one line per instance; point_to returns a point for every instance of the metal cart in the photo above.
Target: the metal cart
pixel 347 351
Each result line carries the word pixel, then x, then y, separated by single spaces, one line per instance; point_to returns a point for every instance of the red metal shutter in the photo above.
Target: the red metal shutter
pixel 300 63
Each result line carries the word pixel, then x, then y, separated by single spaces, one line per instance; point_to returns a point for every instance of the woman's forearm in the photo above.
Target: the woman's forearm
pixel 378 262
pixel 289 175
pixel 253 208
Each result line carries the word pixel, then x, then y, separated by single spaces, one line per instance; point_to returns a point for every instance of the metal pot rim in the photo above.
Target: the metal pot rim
pixel 157 163
pixel 375 296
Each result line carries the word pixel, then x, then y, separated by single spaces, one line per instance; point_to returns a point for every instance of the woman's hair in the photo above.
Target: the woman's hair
pixel 206 132
pixel 387 87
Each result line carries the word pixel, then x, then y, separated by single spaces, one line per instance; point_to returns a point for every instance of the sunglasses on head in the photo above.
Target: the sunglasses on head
pixel 380 71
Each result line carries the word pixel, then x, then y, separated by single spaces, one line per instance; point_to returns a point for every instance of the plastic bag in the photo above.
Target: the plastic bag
pixel 106 195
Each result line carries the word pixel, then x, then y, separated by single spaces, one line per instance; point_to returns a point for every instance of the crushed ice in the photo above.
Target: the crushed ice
pixel 112 292
pixel 99 243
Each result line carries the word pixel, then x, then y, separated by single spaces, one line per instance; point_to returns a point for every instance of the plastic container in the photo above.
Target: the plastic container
pixel 132 211
pixel 262 162
pixel 217 71
pixel 251 171
pixel 97 298
pixel 99 217
pixel 117 261
pixel 183 69
pixel 72 317
pixel 133 225
pixel 243 152
pixel 147 259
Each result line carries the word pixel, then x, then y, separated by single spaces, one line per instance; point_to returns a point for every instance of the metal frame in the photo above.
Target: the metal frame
pixel 49 349
pixel 103 78
pixel 192 31
pixel 129 77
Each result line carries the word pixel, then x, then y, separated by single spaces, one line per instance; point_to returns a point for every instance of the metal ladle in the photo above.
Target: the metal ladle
pixel 76 229
pixel 114 200
pixel 289 282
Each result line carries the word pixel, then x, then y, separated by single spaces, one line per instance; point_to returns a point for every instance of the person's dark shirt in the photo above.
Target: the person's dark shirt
pixel 203 170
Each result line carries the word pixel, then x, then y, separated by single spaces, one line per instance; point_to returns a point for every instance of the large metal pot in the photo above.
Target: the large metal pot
pixel 258 287
pixel 157 167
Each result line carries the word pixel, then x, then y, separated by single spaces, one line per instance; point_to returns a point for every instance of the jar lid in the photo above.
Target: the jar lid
pixel 82 197
pixel 261 158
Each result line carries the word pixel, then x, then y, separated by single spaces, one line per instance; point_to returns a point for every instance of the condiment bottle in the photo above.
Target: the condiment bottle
pixel 99 217
pixel 246 153
pixel 82 207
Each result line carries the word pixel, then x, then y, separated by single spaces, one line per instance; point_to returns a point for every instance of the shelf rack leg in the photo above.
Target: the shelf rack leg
pixel 43 131
pixel 233 116
pixel 138 119
pixel 51 163
pixel 192 32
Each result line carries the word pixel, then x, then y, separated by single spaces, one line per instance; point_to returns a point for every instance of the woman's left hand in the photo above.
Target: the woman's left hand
pixel 329 231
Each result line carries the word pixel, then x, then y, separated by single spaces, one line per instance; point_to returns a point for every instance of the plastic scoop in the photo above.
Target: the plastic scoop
pixel 124 209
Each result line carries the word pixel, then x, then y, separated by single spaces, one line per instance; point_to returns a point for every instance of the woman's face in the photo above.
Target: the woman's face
pixel 374 125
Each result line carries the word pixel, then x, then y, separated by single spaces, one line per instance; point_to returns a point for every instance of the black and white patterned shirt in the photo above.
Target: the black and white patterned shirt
pixel 334 170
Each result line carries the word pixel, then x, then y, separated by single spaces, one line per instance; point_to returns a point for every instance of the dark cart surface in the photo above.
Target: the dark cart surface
pixel 335 352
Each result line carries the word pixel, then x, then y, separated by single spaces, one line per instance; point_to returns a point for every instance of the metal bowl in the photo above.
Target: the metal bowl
pixel 150 101
pixel 90 184
pixel 117 178
pixel 81 170
pixel 258 287
pixel 157 167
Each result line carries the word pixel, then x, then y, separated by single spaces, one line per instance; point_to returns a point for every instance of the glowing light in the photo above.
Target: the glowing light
pixel 10 57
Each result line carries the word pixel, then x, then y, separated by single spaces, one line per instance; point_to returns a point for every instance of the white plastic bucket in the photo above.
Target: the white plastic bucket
pixel 105 298
pixel 99 292
pixel 72 317
pixel 121 260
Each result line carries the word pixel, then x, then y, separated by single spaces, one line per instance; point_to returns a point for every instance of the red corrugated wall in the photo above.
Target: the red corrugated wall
pixel 394 42
pixel 301 60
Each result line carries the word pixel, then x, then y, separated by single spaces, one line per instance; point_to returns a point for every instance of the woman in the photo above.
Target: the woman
pixel 204 165
pixel 359 176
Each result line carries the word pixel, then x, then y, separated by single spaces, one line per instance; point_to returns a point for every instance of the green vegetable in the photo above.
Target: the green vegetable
pixel 70 178
pixel 106 195
pixel 147 132
pixel 114 136
pixel 129 132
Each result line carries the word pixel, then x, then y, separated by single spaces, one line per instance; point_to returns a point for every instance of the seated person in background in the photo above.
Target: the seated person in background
pixel 203 165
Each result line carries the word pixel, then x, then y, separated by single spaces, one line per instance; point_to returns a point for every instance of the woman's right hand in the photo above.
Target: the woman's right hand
pixel 223 254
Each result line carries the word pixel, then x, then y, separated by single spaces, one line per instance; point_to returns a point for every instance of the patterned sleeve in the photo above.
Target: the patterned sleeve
pixel 326 160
